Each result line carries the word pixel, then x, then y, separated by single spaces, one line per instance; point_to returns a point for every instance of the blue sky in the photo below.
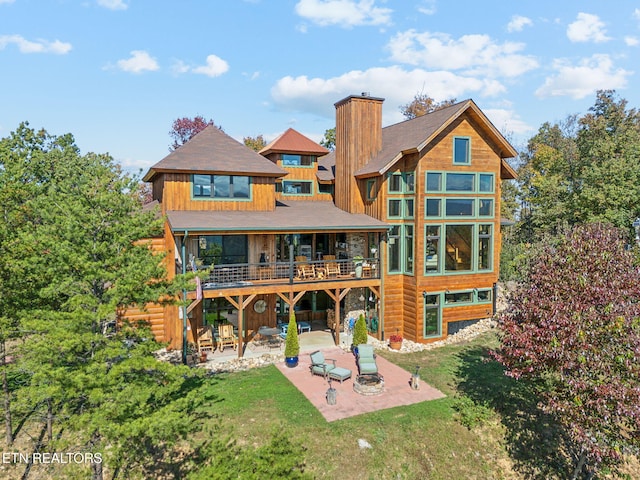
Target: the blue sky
pixel 117 73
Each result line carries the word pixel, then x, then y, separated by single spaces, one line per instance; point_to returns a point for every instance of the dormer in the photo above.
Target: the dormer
pixel 298 156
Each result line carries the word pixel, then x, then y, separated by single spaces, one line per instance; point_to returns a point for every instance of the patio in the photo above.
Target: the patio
pixel 397 390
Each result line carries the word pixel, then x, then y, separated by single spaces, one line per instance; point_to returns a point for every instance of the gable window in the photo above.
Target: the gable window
pixel 296 187
pixel 434 182
pixel 400 249
pixel 485 207
pixel 432 207
pixel 221 186
pixel 461 150
pixel 394 249
pixel 395 208
pixel 290 160
pixel 395 183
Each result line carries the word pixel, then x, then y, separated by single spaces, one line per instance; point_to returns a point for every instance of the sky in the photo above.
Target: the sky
pixel 117 73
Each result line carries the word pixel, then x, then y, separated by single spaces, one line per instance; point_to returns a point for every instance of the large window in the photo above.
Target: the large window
pixel 431 248
pixel 400 249
pixel 458 247
pixel 221 186
pixel 453 182
pixel 223 249
pixel 484 247
pixel 290 160
pixel 462 150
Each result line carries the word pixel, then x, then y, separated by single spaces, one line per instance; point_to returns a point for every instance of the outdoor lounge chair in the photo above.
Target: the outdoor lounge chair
pixel 366 360
pixel 205 339
pixel 226 337
pixel 319 365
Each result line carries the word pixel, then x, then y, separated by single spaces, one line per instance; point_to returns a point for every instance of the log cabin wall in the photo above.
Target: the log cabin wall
pixel 177 195
pixel 358 139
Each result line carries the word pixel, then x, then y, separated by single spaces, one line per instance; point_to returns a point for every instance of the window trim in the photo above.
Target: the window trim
pixel 443 183
pixel 404 186
pixel 312 160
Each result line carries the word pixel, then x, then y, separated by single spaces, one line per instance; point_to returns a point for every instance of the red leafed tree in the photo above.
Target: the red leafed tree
pixel 183 129
pixel 574 325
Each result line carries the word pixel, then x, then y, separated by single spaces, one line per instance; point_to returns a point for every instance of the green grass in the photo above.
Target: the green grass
pixel 424 440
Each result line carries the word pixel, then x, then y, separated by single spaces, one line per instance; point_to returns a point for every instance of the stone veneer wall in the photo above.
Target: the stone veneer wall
pixel 357 245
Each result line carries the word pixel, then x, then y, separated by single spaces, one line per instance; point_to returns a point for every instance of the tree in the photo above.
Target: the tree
pixel 574 328
pixel 329 139
pixel 255 143
pixel 76 254
pixel 585 169
pixel 183 130
pixel 423 104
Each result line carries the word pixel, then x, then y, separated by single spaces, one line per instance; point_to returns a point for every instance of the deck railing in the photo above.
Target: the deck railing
pixel 245 274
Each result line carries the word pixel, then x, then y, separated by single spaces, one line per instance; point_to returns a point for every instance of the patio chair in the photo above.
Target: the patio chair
pixel 319 365
pixel 226 337
pixel 366 360
pixel 205 339
pixel 331 267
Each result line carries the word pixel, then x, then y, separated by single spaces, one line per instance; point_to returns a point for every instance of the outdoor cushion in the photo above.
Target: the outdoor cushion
pixel 319 365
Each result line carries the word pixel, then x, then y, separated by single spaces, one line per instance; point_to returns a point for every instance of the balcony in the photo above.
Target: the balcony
pixel 234 276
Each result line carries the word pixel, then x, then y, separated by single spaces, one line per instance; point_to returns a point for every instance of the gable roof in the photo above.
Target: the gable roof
pixel 413 135
pixel 292 141
pixel 213 151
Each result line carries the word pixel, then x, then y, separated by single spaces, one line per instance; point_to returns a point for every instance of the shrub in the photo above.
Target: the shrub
pixel 360 331
pixel 291 345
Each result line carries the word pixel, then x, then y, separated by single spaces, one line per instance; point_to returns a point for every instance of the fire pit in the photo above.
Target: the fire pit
pixel 369 384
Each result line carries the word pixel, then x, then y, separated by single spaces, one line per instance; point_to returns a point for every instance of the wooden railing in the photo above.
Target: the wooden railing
pixel 245 274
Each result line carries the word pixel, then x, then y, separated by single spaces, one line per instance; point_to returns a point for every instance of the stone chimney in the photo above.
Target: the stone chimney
pixel 358 139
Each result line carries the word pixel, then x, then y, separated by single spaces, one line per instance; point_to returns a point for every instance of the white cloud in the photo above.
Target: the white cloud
pixel 139 62
pixel 518 22
pixel 345 13
pixel 6 1
pixel 473 54
pixel 397 85
pixel 587 28
pixel 636 14
pixel 113 4
pixel 40 46
pixel 631 41
pixel 579 81
pixel 428 7
pixel 214 68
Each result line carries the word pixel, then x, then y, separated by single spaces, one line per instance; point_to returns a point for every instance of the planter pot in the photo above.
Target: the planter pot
pixel 358 270
pixel 395 345
pixel 291 361
pixel 354 349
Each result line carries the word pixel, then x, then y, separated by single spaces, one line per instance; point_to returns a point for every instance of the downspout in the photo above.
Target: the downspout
pixel 184 298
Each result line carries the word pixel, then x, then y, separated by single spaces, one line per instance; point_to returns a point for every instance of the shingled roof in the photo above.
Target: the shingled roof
pixel 296 215
pixel 413 135
pixel 213 151
pixel 291 141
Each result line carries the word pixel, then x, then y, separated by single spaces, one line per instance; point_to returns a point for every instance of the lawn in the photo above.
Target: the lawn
pixel 467 435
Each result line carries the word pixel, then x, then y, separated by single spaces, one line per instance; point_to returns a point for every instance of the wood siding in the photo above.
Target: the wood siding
pixel 177 195
pixel 358 138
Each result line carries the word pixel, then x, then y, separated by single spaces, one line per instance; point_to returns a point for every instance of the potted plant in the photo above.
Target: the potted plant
pixel 291 344
pixel 357 260
pixel 359 334
pixel 395 342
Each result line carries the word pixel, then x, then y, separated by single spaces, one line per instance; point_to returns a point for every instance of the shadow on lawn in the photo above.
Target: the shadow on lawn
pixel 535 442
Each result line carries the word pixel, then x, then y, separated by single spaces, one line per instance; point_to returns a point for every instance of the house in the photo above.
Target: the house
pixel 402 222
